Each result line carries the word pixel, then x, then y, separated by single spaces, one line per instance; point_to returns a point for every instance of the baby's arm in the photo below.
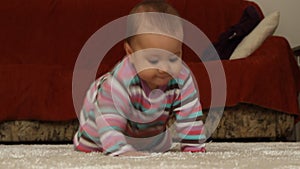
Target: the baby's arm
pixel 111 129
pixel 134 153
pixel 189 125
pixel 101 119
pixel 111 120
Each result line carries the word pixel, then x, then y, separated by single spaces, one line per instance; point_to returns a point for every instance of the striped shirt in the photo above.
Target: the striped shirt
pixel 121 114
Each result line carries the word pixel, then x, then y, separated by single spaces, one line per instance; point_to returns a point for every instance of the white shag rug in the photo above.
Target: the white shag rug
pixel 273 155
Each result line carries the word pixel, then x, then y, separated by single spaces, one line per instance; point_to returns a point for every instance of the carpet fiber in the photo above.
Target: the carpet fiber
pixel 219 155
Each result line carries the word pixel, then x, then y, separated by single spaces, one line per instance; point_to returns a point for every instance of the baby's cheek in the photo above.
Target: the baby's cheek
pixel 145 66
pixel 147 74
pixel 176 69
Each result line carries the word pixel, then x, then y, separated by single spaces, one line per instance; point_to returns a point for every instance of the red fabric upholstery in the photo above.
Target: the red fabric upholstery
pixel 268 78
pixel 41 40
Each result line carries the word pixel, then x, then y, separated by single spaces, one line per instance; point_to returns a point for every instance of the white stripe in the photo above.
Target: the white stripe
pixel 85 142
pixel 138 91
pixel 187 84
pixel 111 133
pixel 188 105
pixel 137 116
pixel 82 118
pixel 193 145
pixel 104 117
pixel 165 144
pixel 189 124
pixel 91 96
pixel 116 85
pixel 124 149
pixel 92 124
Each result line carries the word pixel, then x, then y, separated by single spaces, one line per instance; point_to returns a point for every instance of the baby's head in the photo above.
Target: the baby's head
pixel 155 47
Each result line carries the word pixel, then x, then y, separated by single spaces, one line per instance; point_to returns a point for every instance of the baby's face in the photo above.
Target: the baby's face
pixel 156 58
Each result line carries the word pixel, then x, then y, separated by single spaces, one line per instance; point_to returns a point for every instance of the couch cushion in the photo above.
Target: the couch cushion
pixel 53 31
pixel 212 18
pixel 31 92
pixel 252 41
pixel 231 38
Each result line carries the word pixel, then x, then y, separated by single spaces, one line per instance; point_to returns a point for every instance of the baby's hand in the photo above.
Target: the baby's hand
pixel 134 153
pixel 194 149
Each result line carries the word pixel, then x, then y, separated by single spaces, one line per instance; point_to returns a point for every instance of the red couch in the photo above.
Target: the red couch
pixel 41 40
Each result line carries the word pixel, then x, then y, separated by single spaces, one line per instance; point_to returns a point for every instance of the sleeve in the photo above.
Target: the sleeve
pixel 188 113
pixel 110 120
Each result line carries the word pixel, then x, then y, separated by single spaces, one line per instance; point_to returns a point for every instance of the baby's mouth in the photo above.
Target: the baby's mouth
pixel 164 76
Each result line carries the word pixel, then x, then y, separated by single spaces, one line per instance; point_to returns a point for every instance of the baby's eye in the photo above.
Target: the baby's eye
pixel 153 61
pixel 173 59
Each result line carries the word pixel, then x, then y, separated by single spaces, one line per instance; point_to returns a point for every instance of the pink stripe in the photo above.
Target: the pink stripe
pixel 193 149
pixel 88 106
pixel 110 121
pixel 188 91
pixel 146 104
pixel 187 112
pixel 125 70
pixel 86 149
pixel 196 130
pixel 90 130
pixel 111 141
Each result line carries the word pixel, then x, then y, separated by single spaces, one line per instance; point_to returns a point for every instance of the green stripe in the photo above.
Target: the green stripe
pixel 85 134
pixel 107 109
pixel 176 103
pixel 88 115
pixel 172 82
pixel 158 140
pixel 192 95
pixel 149 111
pixel 190 116
pixel 145 126
pixel 179 81
pixel 92 114
pixel 109 128
pixel 135 80
pixel 115 147
pixel 192 137
pixel 117 68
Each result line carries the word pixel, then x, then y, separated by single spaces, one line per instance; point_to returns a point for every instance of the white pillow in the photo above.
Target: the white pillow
pixel 257 36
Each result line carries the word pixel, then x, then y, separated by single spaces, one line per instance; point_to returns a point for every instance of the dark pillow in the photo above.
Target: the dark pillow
pixel 229 39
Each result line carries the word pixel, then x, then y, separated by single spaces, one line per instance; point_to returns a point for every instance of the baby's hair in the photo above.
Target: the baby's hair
pixel 154 6
pixel 164 23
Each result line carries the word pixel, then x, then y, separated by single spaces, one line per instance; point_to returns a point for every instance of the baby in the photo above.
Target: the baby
pixel 126 111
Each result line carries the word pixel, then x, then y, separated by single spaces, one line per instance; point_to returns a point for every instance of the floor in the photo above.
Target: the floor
pixel 272 155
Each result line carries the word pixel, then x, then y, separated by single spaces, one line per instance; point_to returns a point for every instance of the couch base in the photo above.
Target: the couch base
pixel 247 121
pixel 240 122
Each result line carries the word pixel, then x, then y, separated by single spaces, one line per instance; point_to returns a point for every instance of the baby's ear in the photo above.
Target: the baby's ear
pixel 128 50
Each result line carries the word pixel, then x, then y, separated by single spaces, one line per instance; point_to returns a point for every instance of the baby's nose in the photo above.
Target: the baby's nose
pixel 164 68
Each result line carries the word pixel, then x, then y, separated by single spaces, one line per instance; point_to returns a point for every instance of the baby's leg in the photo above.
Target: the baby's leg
pixel 87 138
pixel 83 141
pixel 159 143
